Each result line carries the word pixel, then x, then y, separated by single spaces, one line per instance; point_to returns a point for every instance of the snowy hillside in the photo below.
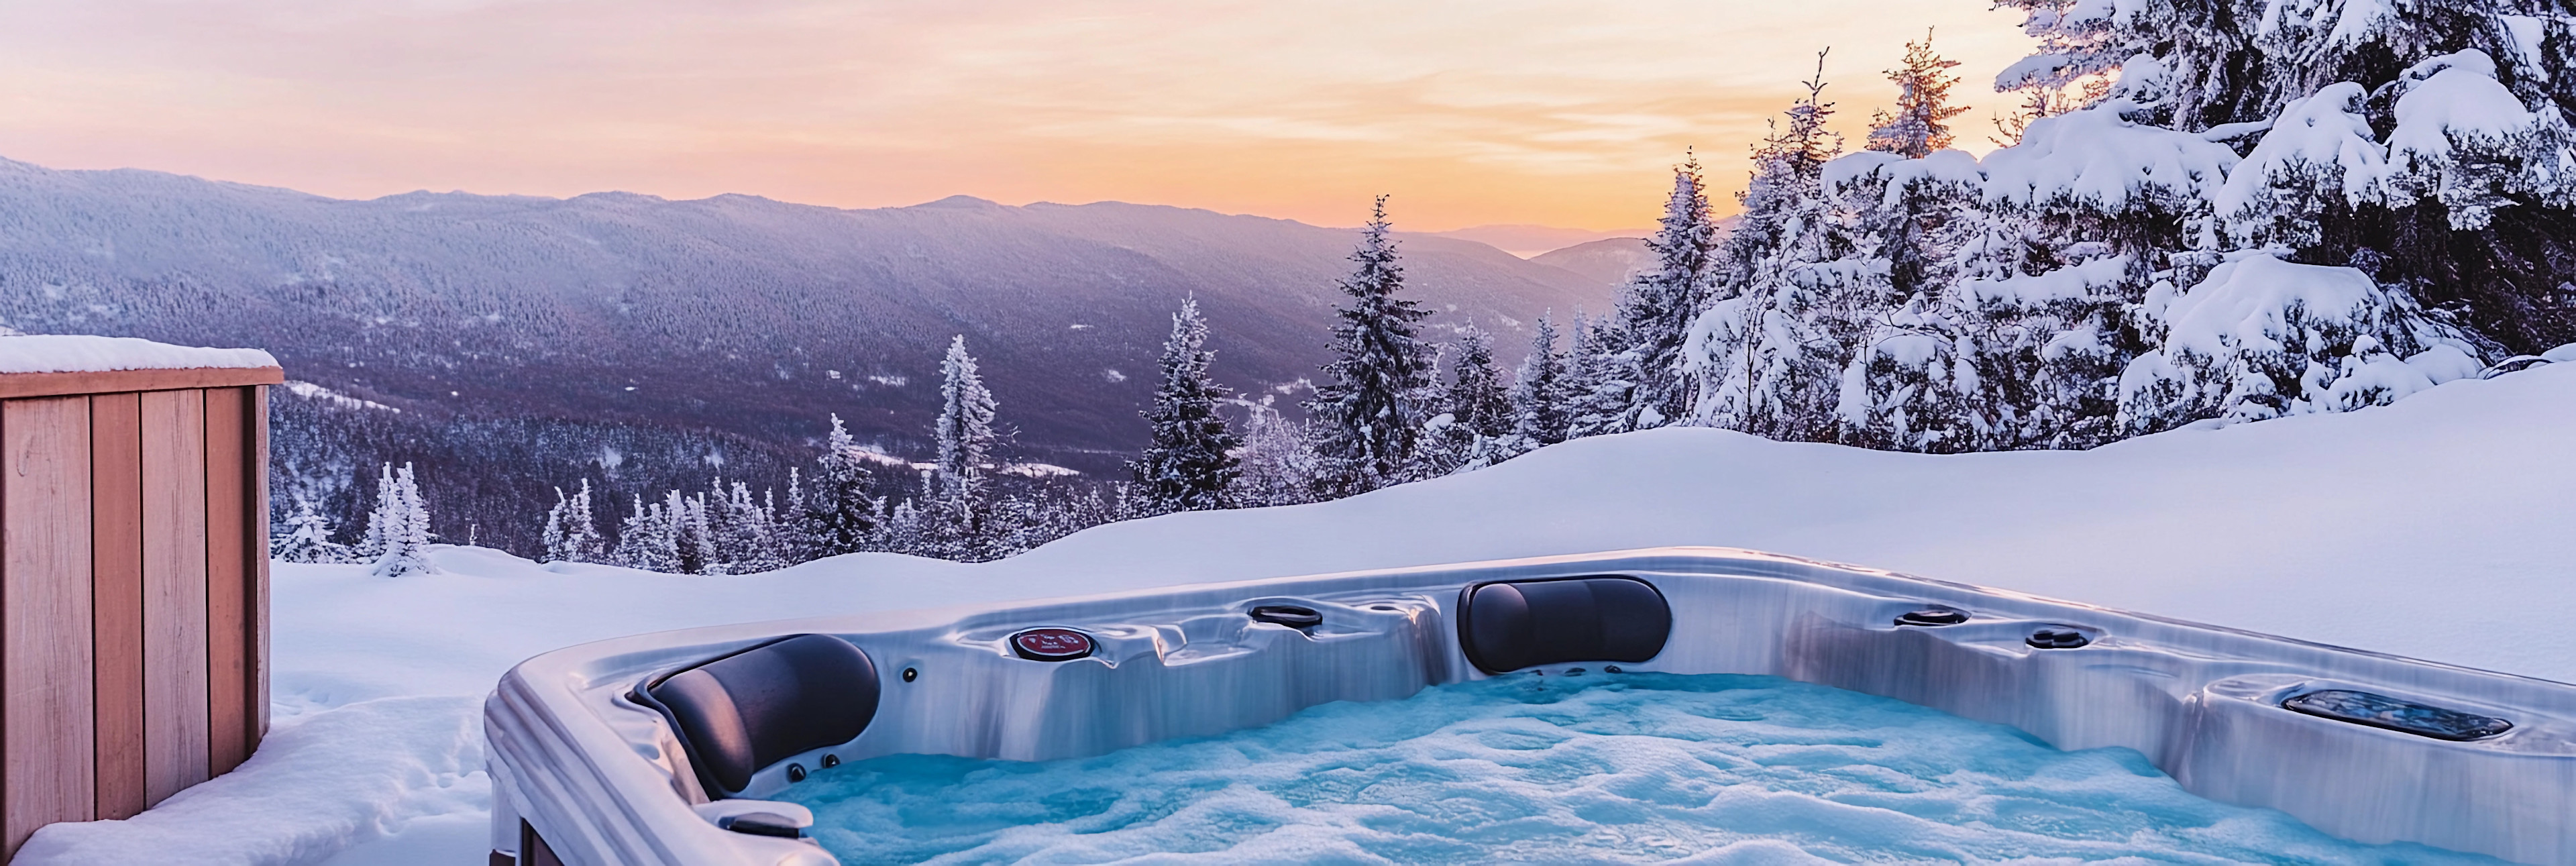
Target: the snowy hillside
pixel 2434 528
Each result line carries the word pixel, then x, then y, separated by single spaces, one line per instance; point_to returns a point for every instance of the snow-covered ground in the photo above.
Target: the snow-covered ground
pixel 2438 527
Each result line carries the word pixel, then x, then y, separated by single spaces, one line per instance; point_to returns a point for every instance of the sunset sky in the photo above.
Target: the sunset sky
pixel 1493 111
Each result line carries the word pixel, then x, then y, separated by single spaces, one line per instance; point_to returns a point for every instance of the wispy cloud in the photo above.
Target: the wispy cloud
pixel 1561 111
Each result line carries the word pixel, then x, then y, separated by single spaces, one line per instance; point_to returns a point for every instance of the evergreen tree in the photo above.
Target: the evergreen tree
pixel 1189 463
pixel 581 540
pixel 761 547
pixel 2473 234
pixel 957 523
pixel 899 529
pixel 1539 390
pixel 1656 308
pixel 646 542
pixel 371 547
pixel 306 537
pixel 553 535
pixel 1278 462
pixel 688 522
pixel 1765 356
pixel 1582 374
pixel 1920 124
pixel 571 534
pixel 1478 400
pixel 954 521
pixel 840 515
pixel 1601 384
pixel 1372 406
pixel 406 529
pixel 965 426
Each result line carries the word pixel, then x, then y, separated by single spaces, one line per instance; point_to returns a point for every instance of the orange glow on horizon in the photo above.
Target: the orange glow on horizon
pixel 1541 111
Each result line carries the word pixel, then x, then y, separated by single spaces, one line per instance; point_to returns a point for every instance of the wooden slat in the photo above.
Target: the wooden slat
pixel 258 614
pixel 228 578
pixel 17 385
pixel 174 591
pixel 116 525
pixel 45 616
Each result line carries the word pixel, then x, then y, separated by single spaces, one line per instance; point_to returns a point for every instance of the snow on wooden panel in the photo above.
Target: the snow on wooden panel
pixel 67 353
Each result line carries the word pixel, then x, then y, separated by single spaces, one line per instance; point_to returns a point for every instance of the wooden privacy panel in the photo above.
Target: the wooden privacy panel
pixel 49 770
pixel 116 525
pixel 228 577
pixel 133 589
pixel 174 591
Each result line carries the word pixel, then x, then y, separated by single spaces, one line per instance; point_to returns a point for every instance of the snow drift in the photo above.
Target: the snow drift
pixel 2433 528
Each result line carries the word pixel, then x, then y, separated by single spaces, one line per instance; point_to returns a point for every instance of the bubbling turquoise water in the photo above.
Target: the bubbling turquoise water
pixel 1602 768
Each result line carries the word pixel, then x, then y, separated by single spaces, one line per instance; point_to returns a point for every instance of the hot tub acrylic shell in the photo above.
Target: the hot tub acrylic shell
pixel 602 779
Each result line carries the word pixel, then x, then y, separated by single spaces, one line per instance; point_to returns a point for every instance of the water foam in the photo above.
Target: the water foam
pixel 1601 768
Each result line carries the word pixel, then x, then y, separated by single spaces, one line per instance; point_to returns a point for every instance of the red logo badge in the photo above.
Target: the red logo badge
pixel 1051 644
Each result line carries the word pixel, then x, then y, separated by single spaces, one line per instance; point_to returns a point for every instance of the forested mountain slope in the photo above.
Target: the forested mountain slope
pixel 531 342
pixel 735 313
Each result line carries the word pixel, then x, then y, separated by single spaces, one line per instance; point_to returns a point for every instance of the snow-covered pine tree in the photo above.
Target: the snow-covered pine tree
pixel 1583 369
pixel 840 514
pixel 965 426
pixel 580 539
pixel 646 541
pixel 1602 383
pixel 1375 398
pixel 742 528
pixel 2323 339
pixel 955 521
pixel 959 521
pixel 1766 355
pixel 1921 122
pixel 407 534
pixel 306 537
pixel 1478 399
pixel 899 528
pixel 763 547
pixel 1278 462
pixel 2467 230
pixel 2080 47
pixel 1656 308
pixel 1190 462
pixel 795 539
pixel 690 535
pixel 552 537
pixel 1539 397
pixel 371 547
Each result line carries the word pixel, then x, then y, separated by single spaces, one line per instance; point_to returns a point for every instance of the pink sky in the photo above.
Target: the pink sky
pixel 1479 111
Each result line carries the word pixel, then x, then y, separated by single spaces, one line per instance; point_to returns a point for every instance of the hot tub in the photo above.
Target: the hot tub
pixel 687 747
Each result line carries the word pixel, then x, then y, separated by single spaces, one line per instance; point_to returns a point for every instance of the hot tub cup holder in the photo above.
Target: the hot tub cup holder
pixel 1933 615
pixel 1294 616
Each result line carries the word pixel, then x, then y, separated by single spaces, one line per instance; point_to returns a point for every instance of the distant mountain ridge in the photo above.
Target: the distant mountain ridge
pixel 734 313
pixel 1530 241
pixel 1609 262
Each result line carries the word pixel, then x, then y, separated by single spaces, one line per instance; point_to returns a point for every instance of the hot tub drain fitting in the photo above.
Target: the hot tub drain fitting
pixel 2057 638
